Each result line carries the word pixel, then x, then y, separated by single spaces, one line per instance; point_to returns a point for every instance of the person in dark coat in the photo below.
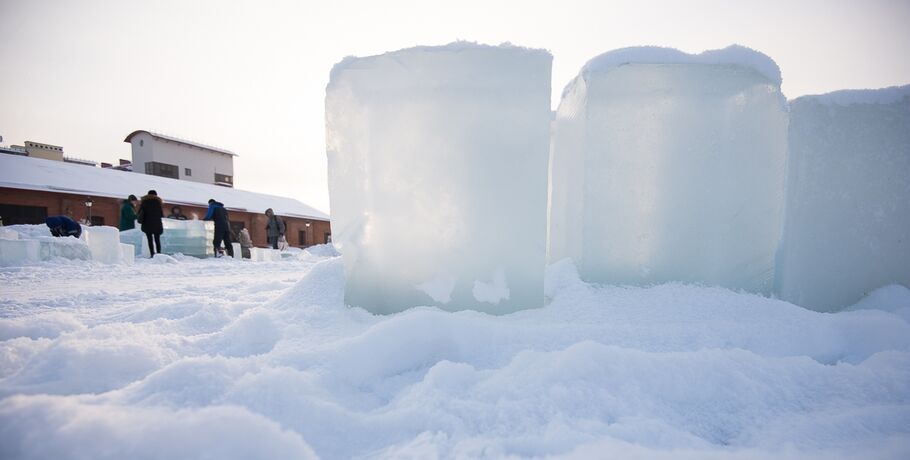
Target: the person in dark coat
pixel 128 213
pixel 222 220
pixel 150 215
pixel 274 228
pixel 63 226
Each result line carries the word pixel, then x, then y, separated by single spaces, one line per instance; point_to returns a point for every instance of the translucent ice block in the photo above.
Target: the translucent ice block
pixel 18 252
pixel 848 210
pixel 670 167
pixel 104 243
pixel 437 176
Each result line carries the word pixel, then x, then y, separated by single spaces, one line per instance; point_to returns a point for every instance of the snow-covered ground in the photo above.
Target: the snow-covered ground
pixel 186 358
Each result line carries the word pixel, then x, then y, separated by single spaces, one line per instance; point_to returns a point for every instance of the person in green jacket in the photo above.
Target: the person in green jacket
pixel 128 213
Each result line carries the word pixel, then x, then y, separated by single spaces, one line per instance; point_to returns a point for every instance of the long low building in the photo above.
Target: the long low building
pixel 32 189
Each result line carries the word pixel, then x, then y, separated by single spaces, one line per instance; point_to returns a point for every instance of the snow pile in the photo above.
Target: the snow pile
pixel 29 244
pixel 671 167
pixel 847 97
pixel 322 250
pixel 848 211
pixel 426 146
pixel 734 55
pixel 216 358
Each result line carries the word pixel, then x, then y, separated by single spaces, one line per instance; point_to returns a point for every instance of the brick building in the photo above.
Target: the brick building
pixel 32 189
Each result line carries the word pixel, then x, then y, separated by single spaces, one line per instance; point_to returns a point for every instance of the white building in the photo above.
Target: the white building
pixel 167 156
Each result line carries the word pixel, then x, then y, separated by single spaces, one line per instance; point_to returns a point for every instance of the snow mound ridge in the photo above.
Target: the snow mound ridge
pixel 733 55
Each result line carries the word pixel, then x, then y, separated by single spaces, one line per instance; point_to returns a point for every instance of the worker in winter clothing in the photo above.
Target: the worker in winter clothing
pixel 150 215
pixel 128 213
pixel 222 220
pixel 245 243
pixel 63 226
pixel 274 228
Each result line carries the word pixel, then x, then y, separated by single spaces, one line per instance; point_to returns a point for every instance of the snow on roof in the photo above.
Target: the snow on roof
pixel 846 97
pixel 180 141
pixel 733 54
pixel 56 176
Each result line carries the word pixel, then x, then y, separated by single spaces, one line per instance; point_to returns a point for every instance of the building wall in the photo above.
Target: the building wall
pixel 109 210
pixel 203 163
pixel 45 151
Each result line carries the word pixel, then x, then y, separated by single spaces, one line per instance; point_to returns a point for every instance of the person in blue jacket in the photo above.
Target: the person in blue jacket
pixel 63 226
pixel 219 215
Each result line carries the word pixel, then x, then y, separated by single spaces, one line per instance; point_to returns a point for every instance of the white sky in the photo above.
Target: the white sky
pixel 251 76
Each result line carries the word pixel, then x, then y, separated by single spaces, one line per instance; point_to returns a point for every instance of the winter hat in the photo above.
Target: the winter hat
pixel 152 192
pixel 211 200
pixel 131 198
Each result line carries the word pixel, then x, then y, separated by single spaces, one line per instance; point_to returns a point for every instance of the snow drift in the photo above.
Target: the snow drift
pixel 220 358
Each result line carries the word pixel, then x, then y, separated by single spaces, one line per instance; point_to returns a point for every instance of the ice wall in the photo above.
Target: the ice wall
pixel 187 237
pixel 848 209
pixel 438 176
pixel 26 244
pixel 667 166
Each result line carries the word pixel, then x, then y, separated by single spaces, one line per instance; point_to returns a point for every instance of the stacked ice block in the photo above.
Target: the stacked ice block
pixel 32 243
pixel 848 210
pixel 15 251
pixel 188 237
pixel 670 167
pixel 437 176
pixel 103 243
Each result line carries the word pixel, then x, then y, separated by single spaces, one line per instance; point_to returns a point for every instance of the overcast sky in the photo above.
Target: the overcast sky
pixel 250 76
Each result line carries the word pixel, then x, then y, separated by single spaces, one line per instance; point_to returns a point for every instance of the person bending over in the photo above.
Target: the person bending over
pixel 63 226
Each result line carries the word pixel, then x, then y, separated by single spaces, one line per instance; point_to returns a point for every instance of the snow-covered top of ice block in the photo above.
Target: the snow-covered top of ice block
pixel 38 174
pixel 404 56
pixel 732 55
pixel 847 97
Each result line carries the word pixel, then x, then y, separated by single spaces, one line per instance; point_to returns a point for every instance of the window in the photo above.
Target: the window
pixel 224 179
pixel 14 214
pixel 141 142
pixel 187 172
pixel 161 169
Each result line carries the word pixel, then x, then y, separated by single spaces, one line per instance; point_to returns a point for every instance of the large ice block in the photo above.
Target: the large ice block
pixel 51 248
pixel 104 243
pixel 15 252
pixel 847 230
pixel 36 244
pixel 188 237
pixel 127 254
pixel 437 176
pixel 667 166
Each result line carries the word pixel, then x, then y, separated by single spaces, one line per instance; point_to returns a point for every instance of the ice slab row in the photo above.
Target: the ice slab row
pixel 188 237
pixel 438 174
pixel 667 166
pixel 23 244
pixel 848 207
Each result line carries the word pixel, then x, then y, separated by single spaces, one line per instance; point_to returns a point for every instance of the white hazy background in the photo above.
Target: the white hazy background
pixel 250 76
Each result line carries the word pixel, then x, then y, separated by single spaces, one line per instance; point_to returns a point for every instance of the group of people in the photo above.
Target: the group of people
pixel 149 212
